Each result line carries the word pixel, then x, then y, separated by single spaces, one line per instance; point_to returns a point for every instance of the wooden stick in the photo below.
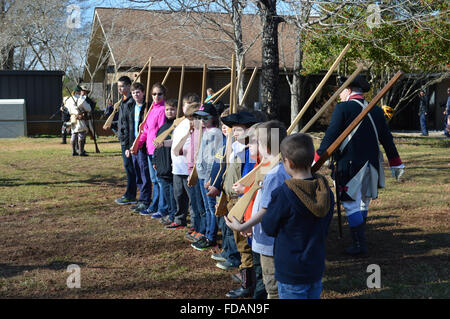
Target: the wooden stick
pixel 332 98
pixel 147 91
pixel 166 76
pixel 238 79
pixel 180 93
pixel 203 83
pixel 249 85
pixel 248 179
pixel 193 176
pixel 218 93
pixel 221 209
pixel 233 84
pixel 354 123
pixel 221 94
pixel 110 118
pixel 317 90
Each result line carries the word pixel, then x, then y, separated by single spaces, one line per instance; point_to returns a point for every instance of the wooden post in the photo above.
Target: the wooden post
pixel 249 85
pixel 180 93
pixel 147 91
pixel 203 84
pixel 166 76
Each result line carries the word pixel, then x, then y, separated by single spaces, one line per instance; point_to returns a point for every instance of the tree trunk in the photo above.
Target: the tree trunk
pixel 236 16
pixel 270 58
pixel 296 80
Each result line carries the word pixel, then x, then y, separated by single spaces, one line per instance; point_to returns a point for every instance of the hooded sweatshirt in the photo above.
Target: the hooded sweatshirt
pixel 299 216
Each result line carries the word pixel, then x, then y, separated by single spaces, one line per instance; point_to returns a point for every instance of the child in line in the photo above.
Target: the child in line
pixel 134 118
pixel 229 257
pixel 299 216
pixel 267 133
pixel 155 120
pixel 179 162
pixel 239 164
pixel 162 163
pixel 211 142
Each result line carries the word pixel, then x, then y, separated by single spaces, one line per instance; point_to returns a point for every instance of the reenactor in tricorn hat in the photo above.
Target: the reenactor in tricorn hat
pixel 78 109
pixel 359 172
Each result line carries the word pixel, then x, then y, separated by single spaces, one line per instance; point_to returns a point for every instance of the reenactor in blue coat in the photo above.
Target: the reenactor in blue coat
pixel 359 171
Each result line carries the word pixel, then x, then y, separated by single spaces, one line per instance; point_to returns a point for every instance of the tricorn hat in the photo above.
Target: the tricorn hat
pixel 208 109
pixel 244 118
pixel 358 82
pixel 85 87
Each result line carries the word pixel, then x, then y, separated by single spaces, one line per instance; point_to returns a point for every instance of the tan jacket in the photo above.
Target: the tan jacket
pixel 76 108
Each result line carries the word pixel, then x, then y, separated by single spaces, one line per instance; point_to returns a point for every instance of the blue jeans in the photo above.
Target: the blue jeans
pixel 198 214
pixel 423 124
pixel 210 206
pixel 154 206
pixel 300 291
pixel 168 197
pixel 131 190
pixel 230 251
pixel 142 176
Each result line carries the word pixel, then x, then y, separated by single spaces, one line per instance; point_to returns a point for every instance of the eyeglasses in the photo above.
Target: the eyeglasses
pixel 157 94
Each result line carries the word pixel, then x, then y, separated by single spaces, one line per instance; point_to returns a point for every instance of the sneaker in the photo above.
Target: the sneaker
pixel 175 226
pixel 226 265
pixel 165 220
pixel 218 257
pixel 202 244
pixel 190 235
pixel 145 212
pixel 198 236
pixel 125 201
pixel 140 207
pixel 157 215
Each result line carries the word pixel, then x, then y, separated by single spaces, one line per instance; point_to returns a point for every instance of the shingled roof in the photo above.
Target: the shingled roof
pixel 176 38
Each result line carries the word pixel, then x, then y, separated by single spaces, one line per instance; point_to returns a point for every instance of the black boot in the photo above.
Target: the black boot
pixel 81 143
pixel 359 246
pixel 245 290
pixel 74 147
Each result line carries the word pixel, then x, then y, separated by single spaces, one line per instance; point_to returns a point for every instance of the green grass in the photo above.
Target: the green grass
pixel 57 210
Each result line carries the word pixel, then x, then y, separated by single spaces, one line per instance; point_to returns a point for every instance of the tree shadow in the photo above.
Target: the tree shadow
pixel 7 271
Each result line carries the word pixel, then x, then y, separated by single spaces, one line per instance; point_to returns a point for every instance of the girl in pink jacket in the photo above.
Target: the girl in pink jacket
pixel 155 119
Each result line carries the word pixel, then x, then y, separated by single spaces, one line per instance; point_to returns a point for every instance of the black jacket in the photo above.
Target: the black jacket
pixel 124 109
pixel 129 135
pixel 161 156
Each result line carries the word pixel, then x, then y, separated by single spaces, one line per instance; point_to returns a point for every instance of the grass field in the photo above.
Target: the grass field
pixel 57 210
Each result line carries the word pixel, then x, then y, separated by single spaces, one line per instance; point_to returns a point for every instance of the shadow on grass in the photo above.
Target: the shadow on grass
pixel 7 271
pixel 93 180
pixel 412 263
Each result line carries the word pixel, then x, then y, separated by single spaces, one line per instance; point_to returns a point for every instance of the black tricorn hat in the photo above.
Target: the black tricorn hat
pixel 244 118
pixel 208 109
pixel 358 82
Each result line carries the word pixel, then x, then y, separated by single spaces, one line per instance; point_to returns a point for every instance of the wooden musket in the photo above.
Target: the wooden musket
pixel 329 151
pixel 134 147
pixel 110 118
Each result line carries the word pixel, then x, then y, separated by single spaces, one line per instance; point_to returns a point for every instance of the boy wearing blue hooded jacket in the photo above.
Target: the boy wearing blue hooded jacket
pixel 299 216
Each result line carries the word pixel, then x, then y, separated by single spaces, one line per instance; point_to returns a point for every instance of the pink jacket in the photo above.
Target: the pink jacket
pixel 155 120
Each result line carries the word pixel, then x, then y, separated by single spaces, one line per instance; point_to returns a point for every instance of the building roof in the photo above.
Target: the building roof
pixel 176 38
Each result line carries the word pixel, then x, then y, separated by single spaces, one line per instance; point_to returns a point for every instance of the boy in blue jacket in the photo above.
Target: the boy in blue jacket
pixel 298 216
